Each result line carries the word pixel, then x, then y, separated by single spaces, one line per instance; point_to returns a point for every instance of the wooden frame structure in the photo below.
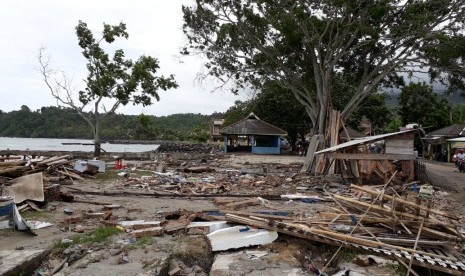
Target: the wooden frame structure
pixel 373 155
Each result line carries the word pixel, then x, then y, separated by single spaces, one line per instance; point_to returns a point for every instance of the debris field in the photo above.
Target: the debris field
pixel 219 216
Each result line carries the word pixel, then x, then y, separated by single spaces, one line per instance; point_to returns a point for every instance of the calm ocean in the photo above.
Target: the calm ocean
pixel 49 144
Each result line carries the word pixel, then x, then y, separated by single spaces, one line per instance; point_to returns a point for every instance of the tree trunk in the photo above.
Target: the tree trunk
pixel 97 143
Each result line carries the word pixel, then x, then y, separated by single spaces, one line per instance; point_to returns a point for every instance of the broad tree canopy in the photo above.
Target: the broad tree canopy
pixel 309 45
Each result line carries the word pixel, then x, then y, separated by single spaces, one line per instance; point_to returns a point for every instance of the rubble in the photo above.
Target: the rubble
pixel 246 206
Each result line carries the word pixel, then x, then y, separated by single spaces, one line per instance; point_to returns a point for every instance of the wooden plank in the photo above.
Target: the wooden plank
pixel 408 151
pixel 310 158
pixel 333 137
pixel 55 158
pixel 371 156
pixel 354 168
pixel 414 248
pixel 345 129
pixel 381 168
pixel 380 209
pixel 395 143
pixel 273 217
pixel 406 202
pixel 12 164
pixel 70 174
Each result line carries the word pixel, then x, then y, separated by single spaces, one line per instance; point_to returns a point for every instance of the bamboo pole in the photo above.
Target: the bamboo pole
pixel 408 203
pixel 414 248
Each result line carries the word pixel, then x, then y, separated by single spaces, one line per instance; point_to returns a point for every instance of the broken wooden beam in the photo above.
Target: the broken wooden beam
pixel 408 203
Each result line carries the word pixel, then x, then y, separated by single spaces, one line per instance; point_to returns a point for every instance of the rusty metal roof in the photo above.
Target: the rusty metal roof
pixel 364 140
pixel 449 131
pixel 252 125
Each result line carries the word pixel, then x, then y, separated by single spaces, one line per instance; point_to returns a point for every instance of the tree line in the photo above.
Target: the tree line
pixel 61 122
pixel 415 103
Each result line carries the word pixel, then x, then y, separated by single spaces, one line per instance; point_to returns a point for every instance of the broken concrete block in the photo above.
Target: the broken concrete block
pixel 100 215
pixel 138 224
pixel 240 236
pixel 206 227
pixel 72 219
pixel 173 227
pixel 237 263
pixel 23 262
pixel 152 231
pixel 175 271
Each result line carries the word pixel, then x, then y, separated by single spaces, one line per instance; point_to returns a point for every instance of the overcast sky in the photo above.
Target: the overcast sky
pixel 154 27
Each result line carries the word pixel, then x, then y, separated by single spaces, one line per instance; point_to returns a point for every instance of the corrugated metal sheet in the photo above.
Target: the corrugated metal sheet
pixel 362 141
pixel 450 131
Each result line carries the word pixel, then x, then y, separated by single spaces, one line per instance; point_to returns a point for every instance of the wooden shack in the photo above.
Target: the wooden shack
pixel 252 135
pixel 373 156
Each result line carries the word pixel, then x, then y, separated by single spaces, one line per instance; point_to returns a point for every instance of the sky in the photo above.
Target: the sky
pixel 154 27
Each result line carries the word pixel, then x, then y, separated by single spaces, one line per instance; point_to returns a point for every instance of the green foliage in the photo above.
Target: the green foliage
pixel 447 56
pixel 419 104
pixel 278 106
pixel 310 47
pixel 458 114
pixel 59 122
pixel 200 133
pixel 236 112
pixel 394 125
pixel 117 78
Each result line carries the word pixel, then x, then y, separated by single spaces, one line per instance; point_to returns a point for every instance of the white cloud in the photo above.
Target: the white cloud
pixel 154 27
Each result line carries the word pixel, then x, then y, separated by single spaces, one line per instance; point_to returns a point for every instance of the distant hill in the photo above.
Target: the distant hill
pixel 393 100
pixel 58 122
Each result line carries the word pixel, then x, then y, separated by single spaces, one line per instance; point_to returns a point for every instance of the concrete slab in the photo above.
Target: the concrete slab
pixel 208 226
pixel 241 263
pixel 20 262
pixel 240 236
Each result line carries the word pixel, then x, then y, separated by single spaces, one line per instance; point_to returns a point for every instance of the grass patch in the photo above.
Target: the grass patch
pixel 147 240
pixel 99 235
pixel 33 215
pixel 108 175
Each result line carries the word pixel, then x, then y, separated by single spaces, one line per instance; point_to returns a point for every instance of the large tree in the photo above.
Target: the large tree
pixel 307 45
pixel 114 80
pixel 419 104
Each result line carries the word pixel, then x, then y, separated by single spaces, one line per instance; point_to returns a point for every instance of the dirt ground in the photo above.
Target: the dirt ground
pixel 106 260
pixel 447 176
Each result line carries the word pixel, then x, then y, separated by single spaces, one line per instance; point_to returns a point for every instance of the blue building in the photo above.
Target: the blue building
pixel 252 135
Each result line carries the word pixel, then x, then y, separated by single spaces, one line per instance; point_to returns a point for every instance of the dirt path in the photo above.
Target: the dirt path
pixel 446 177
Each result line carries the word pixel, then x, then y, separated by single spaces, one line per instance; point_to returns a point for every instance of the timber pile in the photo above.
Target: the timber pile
pixel 56 169
pixel 410 231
